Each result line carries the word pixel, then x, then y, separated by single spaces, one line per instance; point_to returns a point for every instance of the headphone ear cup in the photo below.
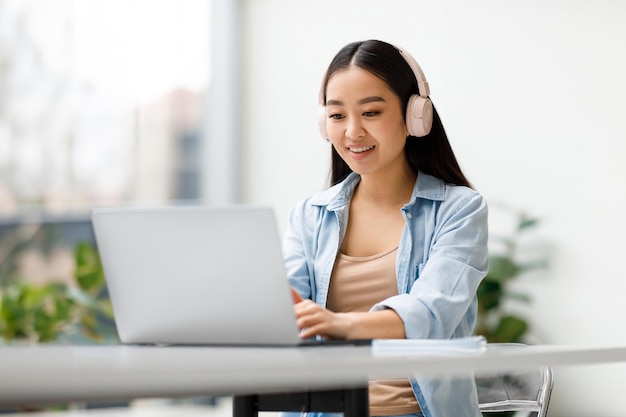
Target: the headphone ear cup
pixel 419 115
pixel 321 122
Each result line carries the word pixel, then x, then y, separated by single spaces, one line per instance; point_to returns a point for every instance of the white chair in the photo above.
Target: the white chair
pixel 526 391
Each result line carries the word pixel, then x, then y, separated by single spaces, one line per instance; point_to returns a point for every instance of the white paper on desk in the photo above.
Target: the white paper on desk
pixel 465 345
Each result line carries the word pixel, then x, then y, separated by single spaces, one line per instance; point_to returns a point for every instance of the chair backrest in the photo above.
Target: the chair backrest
pixel 526 390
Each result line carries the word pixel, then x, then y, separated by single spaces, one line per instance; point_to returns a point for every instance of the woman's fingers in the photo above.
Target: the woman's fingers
pixel 314 320
pixel 307 310
pixel 296 297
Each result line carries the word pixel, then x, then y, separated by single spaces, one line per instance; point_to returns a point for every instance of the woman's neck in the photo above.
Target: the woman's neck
pixel 389 189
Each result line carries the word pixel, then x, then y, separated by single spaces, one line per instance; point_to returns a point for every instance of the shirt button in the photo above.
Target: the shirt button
pixel 409 216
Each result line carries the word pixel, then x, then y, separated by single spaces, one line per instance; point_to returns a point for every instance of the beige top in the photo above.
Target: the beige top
pixel 357 283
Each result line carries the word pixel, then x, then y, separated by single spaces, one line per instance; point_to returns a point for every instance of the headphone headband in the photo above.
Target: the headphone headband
pixel 422 84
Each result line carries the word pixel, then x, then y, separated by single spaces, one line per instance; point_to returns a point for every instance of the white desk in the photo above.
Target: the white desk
pixel 49 374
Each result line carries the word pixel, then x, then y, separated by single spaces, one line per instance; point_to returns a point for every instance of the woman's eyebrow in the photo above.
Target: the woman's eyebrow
pixel 365 100
pixel 371 99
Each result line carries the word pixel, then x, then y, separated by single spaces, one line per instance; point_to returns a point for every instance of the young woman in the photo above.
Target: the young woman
pixel 397 246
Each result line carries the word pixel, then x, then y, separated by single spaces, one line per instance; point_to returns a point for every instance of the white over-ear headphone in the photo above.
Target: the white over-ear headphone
pixel 419 110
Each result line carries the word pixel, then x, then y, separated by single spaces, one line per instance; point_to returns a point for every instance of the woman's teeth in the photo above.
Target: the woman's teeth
pixel 360 150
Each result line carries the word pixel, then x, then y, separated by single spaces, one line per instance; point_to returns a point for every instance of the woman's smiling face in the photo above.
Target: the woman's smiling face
pixel 364 122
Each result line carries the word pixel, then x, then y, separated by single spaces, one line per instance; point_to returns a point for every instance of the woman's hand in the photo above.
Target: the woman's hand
pixel 314 320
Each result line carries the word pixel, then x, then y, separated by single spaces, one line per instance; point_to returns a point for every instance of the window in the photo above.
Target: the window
pixel 101 101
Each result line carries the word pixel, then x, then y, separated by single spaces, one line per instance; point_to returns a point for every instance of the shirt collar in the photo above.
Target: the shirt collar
pixel 426 187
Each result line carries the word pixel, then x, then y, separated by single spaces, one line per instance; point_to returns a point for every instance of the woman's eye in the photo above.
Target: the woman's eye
pixel 371 113
pixel 336 116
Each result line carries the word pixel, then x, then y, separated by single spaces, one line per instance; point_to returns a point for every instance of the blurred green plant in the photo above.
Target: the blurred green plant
pixel 494 321
pixel 42 313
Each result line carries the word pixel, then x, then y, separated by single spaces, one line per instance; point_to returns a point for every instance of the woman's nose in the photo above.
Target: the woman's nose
pixel 355 129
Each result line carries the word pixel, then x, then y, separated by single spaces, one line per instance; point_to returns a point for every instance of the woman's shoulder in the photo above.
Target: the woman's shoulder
pixel 434 188
pixel 452 196
pixel 454 191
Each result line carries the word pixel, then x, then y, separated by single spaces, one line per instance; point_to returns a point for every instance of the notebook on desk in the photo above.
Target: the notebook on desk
pixel 196 275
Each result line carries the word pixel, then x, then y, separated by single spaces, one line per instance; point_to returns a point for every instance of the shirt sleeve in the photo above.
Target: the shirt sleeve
pixel 441 302
pixel 294 253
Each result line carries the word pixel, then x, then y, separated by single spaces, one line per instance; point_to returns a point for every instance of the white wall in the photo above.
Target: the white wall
pixel 532 95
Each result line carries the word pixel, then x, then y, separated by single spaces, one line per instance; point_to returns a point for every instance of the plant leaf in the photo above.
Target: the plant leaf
pixel 525 298
pixel 489 294
pixel 89 273
pixel 501 268
pixel 510 329
pixel 527 222
pixel 529 266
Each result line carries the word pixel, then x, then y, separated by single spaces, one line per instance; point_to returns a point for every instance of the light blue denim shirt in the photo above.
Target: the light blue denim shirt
pixel 441 259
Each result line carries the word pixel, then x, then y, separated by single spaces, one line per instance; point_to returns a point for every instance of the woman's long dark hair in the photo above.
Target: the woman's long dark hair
pixel 431 154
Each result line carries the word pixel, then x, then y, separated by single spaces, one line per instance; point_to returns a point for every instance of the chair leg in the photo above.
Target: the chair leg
pixel 245 406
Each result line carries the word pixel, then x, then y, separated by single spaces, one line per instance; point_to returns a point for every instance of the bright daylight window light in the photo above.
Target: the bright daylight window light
pixel 103 100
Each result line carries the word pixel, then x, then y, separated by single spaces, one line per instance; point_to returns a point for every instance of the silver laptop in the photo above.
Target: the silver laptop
pixel 196 275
